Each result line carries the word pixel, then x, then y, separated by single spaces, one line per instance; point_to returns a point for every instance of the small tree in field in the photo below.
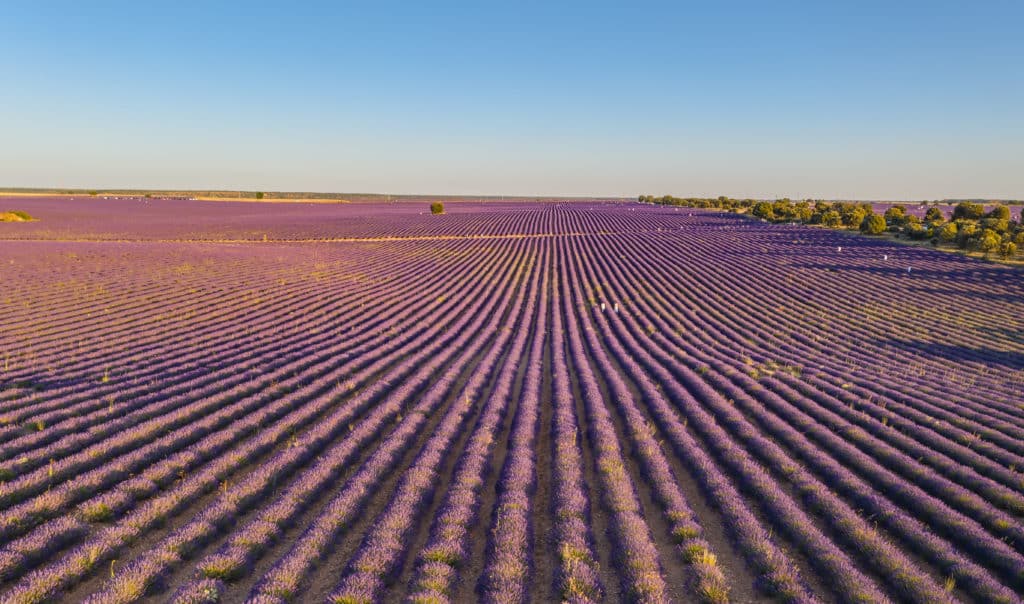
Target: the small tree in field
pixel 437 208
pixel 259 195
pixel 873 224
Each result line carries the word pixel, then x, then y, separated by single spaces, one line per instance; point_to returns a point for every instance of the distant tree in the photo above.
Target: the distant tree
pixel 1008 249
pixel 437 208
pixel 802 211
pixel 934 215
pixel 999 212
pixel 259 195
pixel 94 193
pixel 764 209
pixel 968 210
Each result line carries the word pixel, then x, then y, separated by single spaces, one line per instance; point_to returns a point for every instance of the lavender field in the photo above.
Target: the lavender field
pixel 509 402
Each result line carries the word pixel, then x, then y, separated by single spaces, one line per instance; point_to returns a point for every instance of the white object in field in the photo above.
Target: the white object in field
pixel 602 307
pixel 908 270
pixel 885 257
pixel 616 307
pixel 840 248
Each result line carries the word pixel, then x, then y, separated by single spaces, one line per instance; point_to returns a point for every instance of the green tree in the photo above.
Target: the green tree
pixel 934 215
pixel 764 210
pixel 999 225
pixel 989 241
pixel 259 195
pixel 895 215
pixel 802 211
pixel 832 219
pixel 948 232
pixel 968 210
pixel 1008 249
pixel 437 208
pixel 999 212
pixel 855 217
pixel 873 224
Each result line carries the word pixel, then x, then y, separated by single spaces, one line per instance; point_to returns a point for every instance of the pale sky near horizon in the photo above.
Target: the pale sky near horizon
pixel 867 100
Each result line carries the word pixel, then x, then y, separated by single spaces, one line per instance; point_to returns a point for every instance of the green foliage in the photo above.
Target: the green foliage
pixel 989 241
pixel 721 202
pixel 854 215
pixel 916 231
pixel 764 210
pixel 832 219
pixel 896 215
pixel 999 225
pixel 934 215
pixel 259 195
pixel 968 210
pixel 999 212
pixel 948 232
pixel 873 224
pixel 969 227
pixel 437 208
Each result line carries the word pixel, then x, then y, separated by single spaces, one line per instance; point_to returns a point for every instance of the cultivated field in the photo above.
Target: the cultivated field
pixel 512 402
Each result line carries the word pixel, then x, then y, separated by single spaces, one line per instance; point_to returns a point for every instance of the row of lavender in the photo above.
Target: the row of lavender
pixel 696 371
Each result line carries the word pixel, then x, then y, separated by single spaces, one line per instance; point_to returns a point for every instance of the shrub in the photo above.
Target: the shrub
pixel 437 208
pixel 15 216
pixel 873 224
pixel 259 195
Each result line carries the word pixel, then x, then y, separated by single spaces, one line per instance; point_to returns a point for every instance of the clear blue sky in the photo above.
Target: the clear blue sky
pixel 857 99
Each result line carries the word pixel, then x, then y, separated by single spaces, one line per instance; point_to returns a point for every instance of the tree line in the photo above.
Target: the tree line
pixel 969 227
